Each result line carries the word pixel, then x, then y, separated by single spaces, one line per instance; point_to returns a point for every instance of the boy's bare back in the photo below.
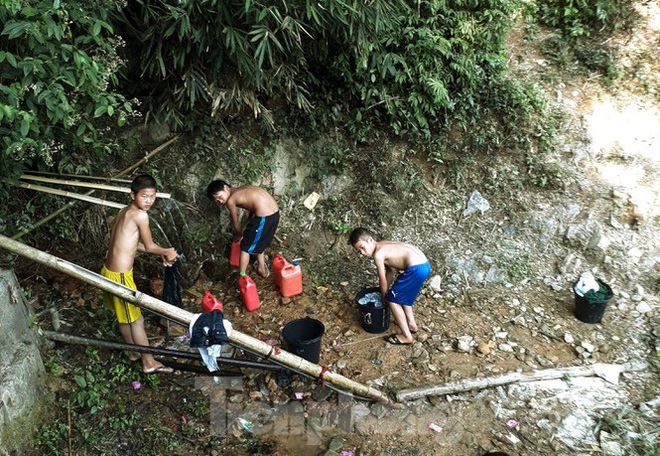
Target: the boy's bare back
pixel 125 239
pixel 253 199
pixel 398 255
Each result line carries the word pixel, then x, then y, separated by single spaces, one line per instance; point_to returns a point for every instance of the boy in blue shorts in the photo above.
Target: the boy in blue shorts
pixel 264 218
pixel 389 255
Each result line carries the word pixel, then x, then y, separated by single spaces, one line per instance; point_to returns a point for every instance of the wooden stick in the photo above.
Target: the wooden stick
pixel 609 372
pixel 70 204
pixel 140 299
pixel 89 199
pixel 68 413
pixel 73 183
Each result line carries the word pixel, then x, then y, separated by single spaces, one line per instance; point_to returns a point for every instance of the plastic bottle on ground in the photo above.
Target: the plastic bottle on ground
pixel 279 262
pixel 249 292
pixel 291 280
pixel 235 252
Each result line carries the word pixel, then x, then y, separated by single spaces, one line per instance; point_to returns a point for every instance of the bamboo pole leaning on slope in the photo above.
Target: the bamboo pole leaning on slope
pixel 73 183
pixel 183 316
pixel 33 172
pixel 70 204
pixel 78 196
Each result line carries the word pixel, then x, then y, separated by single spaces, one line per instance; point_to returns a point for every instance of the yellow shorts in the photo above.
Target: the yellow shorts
pixel 126 312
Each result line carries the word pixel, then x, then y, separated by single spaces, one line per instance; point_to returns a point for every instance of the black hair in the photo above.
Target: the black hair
pixel 141 182
pixel 359 234
pixel 214 187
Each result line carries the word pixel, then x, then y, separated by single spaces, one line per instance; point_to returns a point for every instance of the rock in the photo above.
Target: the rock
pixel 544 362
pixel 568 338
pixel 587 346
pixel 422 338
pixel 505 348
pixel 483 348
pixel 464 343
pixel 636 298
pixel 643 307
pixel 335 444
pixel 609 445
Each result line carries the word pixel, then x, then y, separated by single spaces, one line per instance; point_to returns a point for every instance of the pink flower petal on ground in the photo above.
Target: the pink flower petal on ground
pixel 136 385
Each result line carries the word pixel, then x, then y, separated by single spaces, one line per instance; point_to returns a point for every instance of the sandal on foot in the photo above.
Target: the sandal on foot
pixel 394 340
pixel 159 370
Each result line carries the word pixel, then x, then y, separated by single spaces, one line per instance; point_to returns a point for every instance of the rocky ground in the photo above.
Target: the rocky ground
pixel 507 305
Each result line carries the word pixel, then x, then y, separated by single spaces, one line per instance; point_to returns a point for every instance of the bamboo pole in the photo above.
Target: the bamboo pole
pixel 78 196
pixel 74 183
pixel 183 316
pixel 70 204
pixel 609 372
pixel 77 176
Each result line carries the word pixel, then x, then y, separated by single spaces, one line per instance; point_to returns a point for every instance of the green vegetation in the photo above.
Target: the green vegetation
pixel 105 408
pixel 636 431
pixel 59 67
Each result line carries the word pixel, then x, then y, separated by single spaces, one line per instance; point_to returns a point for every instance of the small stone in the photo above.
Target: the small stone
pixel 464 343
pixel 636 298
pixel 343 284
pixel 568 338
pixel 422 337
pixel 587 346
pixel 255 395
pixel 483 348
pixel 643 307
pixel 335 444
pixel 505 348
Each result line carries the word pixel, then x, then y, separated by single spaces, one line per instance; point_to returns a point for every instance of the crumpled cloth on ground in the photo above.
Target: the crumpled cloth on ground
pixel 208 333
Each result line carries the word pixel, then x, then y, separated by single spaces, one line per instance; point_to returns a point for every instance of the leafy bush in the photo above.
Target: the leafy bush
pixel 58 63
pixel 223 56
pixel 583 17
pixel 435 63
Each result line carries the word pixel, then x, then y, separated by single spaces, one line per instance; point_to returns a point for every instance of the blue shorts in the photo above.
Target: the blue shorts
pixel 407 286
pixel 259 233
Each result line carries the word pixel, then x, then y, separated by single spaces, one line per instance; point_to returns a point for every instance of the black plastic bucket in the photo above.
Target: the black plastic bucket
pixel 591 310
pixel 373 319
pixel 303 336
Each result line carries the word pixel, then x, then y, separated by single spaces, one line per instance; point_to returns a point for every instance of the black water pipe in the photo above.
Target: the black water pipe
pixel 71 339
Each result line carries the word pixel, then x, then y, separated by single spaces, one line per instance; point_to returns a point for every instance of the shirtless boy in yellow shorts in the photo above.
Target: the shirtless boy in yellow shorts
pixel 130 234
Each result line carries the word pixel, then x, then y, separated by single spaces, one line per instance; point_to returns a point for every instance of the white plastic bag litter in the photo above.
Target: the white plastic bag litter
pixel 476 203
pixel 586 283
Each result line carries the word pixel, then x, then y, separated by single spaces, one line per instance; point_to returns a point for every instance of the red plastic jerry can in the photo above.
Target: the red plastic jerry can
pixel 211 303
pixel 249 292
pixel 279 262
pixel 291 280
pixel 235 253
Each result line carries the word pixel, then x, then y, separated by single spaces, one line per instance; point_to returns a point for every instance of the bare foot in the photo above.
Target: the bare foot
pixel 264 272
